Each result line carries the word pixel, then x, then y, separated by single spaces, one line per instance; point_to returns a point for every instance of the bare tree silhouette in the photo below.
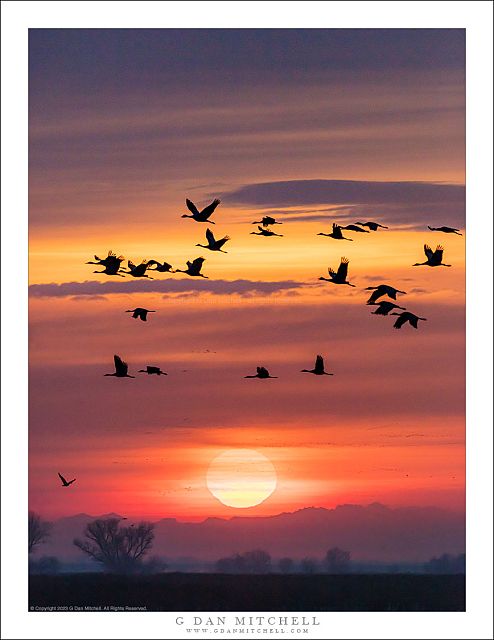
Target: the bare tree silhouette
pixel 337 560
pixel 118 549
pixel 38 530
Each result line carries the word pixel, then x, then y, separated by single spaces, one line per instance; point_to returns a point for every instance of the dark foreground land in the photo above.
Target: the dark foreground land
pixel 219 592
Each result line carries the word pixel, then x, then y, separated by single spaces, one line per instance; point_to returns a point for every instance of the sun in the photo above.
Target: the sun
pixel 241 478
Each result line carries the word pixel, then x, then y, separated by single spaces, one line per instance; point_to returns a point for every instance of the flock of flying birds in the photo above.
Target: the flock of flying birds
pixel 113 267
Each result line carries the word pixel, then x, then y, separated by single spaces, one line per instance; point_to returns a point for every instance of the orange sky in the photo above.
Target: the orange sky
pixel 111 169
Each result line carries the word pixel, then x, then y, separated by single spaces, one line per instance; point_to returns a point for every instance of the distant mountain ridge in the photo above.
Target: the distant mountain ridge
pixel 371 533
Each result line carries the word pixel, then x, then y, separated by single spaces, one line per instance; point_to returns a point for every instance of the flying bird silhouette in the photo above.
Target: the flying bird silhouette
pixel 163 267
pixel 340 276
pixel 121 368
pixel 140 313
pixel 406 316
pixel 318 369
pixel 446 230
pixel 353 227
pixel 335 233
pixel 65 483
pixel 193 268
pixel 111 263
pixel 266 221
pixel 112 270
pixel 265 232
pixel 153 371
pixel 373 226
pixel 434 258
pixel 213 244
pixel 382 290
pixel 384 307
pixel 138 271
pixel 110 259
pixel 201 216
pixel 262 373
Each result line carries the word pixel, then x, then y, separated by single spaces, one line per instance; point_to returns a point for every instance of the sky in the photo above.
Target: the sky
pixel 312 127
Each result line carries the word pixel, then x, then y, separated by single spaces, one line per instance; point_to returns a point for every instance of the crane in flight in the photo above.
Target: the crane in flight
pixel 318 369
pixel 140 313
pixel 373 226
pixel 446 230
pixel 121 368
pixel 382 290
pixel 201 216
pixel 193 268
pixel 65 483
pixel 262 373
pixel 340 276
pixel 434 258
pixel 335 233
pixel 213 244
pixel 266 221
pixel 406 316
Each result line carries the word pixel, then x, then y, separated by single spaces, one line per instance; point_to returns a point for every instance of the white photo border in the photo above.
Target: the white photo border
pixel 18 17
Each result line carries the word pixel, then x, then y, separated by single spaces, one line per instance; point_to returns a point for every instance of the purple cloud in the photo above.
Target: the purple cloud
pixel 96 289
pixel 411 203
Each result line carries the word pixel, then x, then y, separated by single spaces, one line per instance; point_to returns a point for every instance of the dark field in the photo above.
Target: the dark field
pixel 219 592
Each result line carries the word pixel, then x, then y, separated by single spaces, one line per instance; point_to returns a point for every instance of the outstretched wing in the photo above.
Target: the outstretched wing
pixel 428 251
pixel 191 206
pixel 413 320
pixel 374 296
pixel 438 253
pixel 319 366
pixel 268 220
pixel 210 236
pixel 331 272
pixel 121 367
pixel 400 321
pixel 262 371
pixel 62 478
pixel 343 269
pixel 261 229
pixel 197 262
pixel 337 231
pixel 207 211
pixel 220 243
pixel 140 270
pixel 131 265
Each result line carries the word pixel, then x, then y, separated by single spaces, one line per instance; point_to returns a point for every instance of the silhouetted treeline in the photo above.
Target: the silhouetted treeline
pixel 258 561
pixel 446 564
pixel 46 565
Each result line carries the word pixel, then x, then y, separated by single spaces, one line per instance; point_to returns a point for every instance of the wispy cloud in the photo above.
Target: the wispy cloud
pixel 409 203
pixel 95 290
